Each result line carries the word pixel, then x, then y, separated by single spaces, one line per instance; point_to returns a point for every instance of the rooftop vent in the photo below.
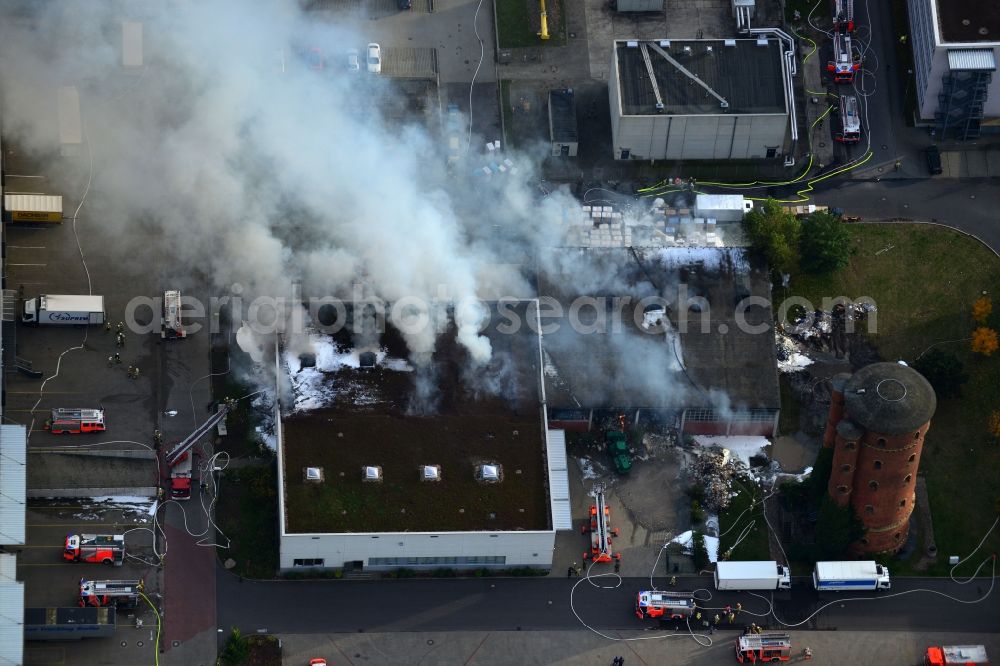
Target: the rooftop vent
pixel 709 49
pixel 687 50
pixel 730 42
pixel 430 472
pixel 312 474
pixel 307 360
pixel 632 44
pixel 762 41
pixel 659 107
pixel 489 473
pixel 367 360
pixel 665 43
pixel 371 474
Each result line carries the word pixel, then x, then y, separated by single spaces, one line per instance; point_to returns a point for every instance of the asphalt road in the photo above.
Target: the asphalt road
pixel 539 604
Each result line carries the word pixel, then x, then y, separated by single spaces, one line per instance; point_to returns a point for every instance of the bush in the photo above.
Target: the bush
pixel 984 341
pixel 699 552
pixel 236 651
pixel 697 513
pixel 944 371
pixel 825 244
pixel 774 236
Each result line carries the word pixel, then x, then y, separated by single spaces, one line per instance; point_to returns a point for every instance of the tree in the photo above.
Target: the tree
pixel 774 235
pixel 825 245
pixel 984 341
pixel 944 371
pixel 236 650
pixel 982 309
pixel 699 552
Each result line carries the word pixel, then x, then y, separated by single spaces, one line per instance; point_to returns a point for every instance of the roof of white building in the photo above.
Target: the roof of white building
pixel 966 21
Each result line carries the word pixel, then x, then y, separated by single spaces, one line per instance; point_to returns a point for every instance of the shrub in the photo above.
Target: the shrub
pixel 984 341
pixel 982 309
pixel 699 552
pixel 825 245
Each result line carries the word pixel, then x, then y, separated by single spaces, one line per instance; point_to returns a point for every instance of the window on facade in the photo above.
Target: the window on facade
pixel 916 435
pixel 873 485
pixel 902 502
pixel 878 464
pixel 913 456
pixel 869 509
pixel 880 441
pixel 317 562
pixel 845 468
pixel 895 537
pixel 842 490
pixel 850 446
pixel 435 561
pixel 908 478
pixel 864 540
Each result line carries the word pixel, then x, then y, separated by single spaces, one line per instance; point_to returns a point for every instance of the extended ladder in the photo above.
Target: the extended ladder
pixel 601 532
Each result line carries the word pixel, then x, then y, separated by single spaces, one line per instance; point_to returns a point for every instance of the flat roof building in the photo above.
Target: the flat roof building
pixel 681 335
pixel 956 45
pixel 705 99
pixel 562 123
pixel 387 465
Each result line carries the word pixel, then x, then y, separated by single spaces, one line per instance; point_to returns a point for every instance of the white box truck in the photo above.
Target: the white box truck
pixel 63 309
pixel 752 576
pixel 851 576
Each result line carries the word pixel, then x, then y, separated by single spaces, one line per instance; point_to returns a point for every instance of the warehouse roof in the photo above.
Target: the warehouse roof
pixel 13 483
pixel 627 360
pixel 746 73
pixel 399 418
pixel 889 399
pixel 562 116
pixel 969 20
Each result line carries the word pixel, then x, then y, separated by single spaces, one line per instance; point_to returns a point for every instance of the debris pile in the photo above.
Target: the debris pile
pixel 825 330
pixel 715 471
pixel 791 354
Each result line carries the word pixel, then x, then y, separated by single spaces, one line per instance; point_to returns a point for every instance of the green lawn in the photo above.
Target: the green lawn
pixel 247 513
pixel 517 23
pixel 924 280
pixel 735 519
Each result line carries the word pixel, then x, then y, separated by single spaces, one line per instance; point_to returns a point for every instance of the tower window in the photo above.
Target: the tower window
pixel 895 537
pixel 913 456
pixel 842 490
pixel 878 464
pixel 902 502
pixel 908 478
pixel 869 509
pixel 850 446
pixel 845 468
pixel 864 541
pixel 880 441
pixel 873 485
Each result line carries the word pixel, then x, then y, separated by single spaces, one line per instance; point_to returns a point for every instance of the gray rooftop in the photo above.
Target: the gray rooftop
pixel 889 399
pixel 562 116
pixel 748 76
pixel 628 365
pixel 968 20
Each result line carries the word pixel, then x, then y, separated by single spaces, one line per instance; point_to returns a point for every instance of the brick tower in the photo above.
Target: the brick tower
pixel 876 426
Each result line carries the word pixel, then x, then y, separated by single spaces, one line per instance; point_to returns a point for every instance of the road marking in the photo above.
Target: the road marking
pixel 26 247
pixel 27 264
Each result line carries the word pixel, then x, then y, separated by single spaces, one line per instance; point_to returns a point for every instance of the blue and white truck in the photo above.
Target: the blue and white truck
pixel 850 576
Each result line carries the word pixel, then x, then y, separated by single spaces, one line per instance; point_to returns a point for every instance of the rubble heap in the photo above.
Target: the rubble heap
pixel 715 471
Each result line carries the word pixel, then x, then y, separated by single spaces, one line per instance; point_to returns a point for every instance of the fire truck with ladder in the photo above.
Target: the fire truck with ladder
pixel 103 548
pixel 100 593
pixel 172 328
pixel 956 655
pixel 75 421
pixel 756 648
pixel 179 460
pixel 850 120
pixel 843 66
pixel 843 15
pixel 664 605
pixel 600 532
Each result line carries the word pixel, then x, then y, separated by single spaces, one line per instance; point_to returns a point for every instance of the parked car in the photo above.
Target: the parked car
pixel 353 60
pixel 374 58
pixel 934 160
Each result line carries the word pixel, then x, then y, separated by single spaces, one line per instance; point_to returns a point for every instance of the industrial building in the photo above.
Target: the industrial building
pixel 876 426
pixel 956 45
pixel 704 99
pixel 386 465
pixel 562 123
pixel 678 336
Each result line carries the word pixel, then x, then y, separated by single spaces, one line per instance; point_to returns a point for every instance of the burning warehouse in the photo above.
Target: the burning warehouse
pixel 679 335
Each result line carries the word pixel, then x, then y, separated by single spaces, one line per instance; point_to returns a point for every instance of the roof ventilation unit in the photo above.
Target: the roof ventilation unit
pixel 489 473
pixel 687 50
pixel 659 107
pixel 632 44
pixel 709 49
pixel 371 474
pixel 730 42
pixel 762 41
pixel 312 474
pixel 430 472
pixel 665 43
pixel 367 360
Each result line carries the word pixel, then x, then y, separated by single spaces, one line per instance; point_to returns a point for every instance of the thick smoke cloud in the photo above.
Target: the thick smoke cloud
pixel 264 171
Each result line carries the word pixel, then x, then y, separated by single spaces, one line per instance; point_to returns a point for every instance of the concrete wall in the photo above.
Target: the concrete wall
pixel 696 137
pixel 521 549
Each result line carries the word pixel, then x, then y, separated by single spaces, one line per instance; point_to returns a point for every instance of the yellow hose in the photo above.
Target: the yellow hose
pixel 159 626
pixel 544 34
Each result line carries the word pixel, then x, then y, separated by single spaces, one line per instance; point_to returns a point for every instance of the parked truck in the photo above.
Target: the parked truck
pixel 172 326
pixel 181 477
pixel 63 309
pixel 852 576
pixel 752 576
pixel 957 655
pixel 75 420
pixel 32 208
pixel 103 548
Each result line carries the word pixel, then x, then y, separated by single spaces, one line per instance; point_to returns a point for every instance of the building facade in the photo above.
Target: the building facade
pixel 956 45
pixel 876 426
pixel 699 99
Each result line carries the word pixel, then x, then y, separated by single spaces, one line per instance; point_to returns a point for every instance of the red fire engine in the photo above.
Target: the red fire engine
pixel 957 655
pixel 843 65
pixel 100 593
pixel 843 15
pixel 600 532
pixel 666 605
pixel 104 548
pixel 181 477
pixel 172 327
pixel 75 421
pixel 771 646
